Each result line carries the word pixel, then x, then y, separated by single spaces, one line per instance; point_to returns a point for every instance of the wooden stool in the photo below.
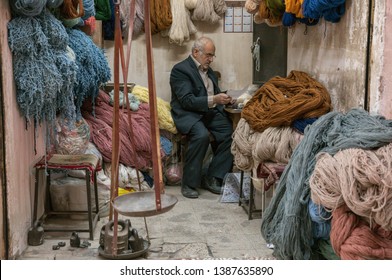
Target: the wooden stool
pixel 270 172
pixel 87 162
pixel 248 204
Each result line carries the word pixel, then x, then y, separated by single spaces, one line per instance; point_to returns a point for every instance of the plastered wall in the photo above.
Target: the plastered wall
pixel 19 150
pixel 233 58
pixel 335 54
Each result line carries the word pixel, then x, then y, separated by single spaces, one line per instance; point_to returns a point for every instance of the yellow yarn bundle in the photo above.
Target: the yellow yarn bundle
pixel 165 120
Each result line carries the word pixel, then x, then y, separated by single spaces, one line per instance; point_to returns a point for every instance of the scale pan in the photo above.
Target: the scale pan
pixel 142 204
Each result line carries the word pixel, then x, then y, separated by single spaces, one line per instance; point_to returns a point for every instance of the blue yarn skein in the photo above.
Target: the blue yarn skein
pixel 301 124
pixel 89 9
pixel 288 19
pixel 334 15
pixel 318 8
pixel 30 8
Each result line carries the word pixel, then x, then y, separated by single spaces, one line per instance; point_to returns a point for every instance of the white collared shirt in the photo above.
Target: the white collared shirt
pixel 207 83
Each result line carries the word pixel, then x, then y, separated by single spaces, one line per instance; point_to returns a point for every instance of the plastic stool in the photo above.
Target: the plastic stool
pixel 87 162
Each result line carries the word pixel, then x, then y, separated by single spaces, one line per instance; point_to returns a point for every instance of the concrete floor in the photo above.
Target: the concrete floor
pixel 202 228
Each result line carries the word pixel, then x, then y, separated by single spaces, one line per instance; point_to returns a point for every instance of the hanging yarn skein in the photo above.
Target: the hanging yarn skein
pixel 102 9
pixel 30 8
pixel 361 179
pixel 92 67
pixel 72 9
pixel 204 11
pixel 252 6
pixel 220 7
pixel 190 4
pixel 330 10
pixel 160 15
pixel 89 9
pixel 44 72
pixel 138 25
pixel 178 32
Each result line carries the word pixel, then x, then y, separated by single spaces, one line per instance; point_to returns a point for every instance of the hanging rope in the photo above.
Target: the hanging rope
pixel 256 54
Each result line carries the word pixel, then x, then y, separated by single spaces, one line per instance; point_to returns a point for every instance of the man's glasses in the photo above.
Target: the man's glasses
pixel 208 55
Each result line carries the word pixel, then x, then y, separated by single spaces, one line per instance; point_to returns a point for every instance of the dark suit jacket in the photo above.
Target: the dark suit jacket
pixel 189 99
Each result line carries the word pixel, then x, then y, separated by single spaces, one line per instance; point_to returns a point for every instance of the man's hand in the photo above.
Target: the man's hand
pixel 222 98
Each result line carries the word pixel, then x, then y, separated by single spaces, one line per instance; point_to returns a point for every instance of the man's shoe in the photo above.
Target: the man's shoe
pixel 212 184
pixel 189 192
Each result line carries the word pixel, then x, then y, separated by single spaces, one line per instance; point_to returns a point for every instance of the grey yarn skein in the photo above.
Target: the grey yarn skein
pixel 53 4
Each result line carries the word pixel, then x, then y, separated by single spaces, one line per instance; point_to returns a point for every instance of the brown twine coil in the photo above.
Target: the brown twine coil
pixel 353 239
pixel 280 101
pixel 361 179
pixel 71 9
